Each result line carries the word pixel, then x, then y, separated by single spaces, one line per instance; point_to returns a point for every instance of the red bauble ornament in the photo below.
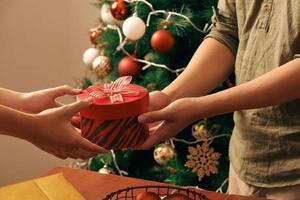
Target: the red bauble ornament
pixel 147 196
pixel 129 67
pixel 162 41
pixel 119 9
pixel 93 36
pixel 177 197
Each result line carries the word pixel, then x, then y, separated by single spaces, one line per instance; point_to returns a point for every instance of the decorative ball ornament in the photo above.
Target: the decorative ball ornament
pixel 102 66
pixel 162 41
pixel 177 197
pixel 119 9
pixel 93 37
pixel 134 28
pixel 147 196
pixel 129 67
pixel 90 55
pixel 163 153
pixel 200 132
pixel 106 15
pixel 105 170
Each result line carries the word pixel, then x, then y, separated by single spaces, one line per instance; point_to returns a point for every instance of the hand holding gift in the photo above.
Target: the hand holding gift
pixel 172 119
pixel 54 133
pixel 25 115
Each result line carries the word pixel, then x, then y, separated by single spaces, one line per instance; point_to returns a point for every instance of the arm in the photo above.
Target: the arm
pixel 212 62
pixel 275 87
pixel 35 102
pixel 49 130
pixel 13 122
pixel 10 98
pixel 210 66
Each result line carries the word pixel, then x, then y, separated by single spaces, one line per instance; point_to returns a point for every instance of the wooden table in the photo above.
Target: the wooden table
pixel 95 186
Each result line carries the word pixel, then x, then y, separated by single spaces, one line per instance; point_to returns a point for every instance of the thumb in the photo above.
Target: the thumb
pixel 63 90
pixel 73 108
pixel 154 116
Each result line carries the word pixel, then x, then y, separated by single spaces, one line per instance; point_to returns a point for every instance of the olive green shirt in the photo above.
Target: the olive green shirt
pixel 263 35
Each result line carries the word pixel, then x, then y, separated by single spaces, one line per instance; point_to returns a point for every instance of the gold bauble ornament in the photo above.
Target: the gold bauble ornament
pixel 102 66
pixel 200 132
pixel 163 153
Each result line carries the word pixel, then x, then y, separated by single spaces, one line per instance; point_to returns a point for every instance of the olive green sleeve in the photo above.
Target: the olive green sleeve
pixel 225 29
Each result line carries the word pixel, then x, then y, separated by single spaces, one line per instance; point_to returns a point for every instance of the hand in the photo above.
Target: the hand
pixel 172 118
pixel 35 102
pixel 158 100
pixel 54 133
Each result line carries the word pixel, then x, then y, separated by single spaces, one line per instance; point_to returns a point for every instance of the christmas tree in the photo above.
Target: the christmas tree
pixel 153 41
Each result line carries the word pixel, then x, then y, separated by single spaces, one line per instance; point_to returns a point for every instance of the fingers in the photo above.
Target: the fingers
pixel 63 90
pixel 80 153
pixel 155 116
pixel 58 104
pixel 74 152
pixel 72 109
pixel 164 132
pixel 88 146
pixel 154 126
pixel 75 121
pixel 60 156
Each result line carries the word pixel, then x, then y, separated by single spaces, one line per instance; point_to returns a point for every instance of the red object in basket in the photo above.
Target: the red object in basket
pixel 111 121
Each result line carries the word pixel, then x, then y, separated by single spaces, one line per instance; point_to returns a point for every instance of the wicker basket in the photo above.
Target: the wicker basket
pixel 130 193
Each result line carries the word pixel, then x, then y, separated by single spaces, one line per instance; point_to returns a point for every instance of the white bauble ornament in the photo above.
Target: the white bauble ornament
pixel 90 55
pixel 163 153
pixel 106 15
pixel 105 170
pixel 134 28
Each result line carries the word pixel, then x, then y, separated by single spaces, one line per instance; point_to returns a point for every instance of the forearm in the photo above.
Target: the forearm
pixel 211 65
pixel 15 123
pixel 273 88
pixel 10 98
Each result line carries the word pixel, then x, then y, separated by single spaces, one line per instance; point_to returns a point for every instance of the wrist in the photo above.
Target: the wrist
pixel 206 107
pixel 27 126
pixel 170 94
pixel 11 99
pixel 213 104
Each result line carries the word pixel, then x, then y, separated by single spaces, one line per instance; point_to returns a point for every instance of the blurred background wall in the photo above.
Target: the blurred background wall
pixel 41 46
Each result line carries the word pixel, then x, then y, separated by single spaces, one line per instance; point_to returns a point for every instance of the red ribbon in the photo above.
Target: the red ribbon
pixel 116 90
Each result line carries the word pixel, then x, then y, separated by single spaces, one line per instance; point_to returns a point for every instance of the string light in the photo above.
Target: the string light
pixel 121 172
pixel 220 189
pixel 201 140
pixel 206 28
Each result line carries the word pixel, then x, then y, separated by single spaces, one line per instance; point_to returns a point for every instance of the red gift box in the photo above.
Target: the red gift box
pixel 111 121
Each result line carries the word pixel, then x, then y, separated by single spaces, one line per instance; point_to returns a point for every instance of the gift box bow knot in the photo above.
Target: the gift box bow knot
pixel 116 90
